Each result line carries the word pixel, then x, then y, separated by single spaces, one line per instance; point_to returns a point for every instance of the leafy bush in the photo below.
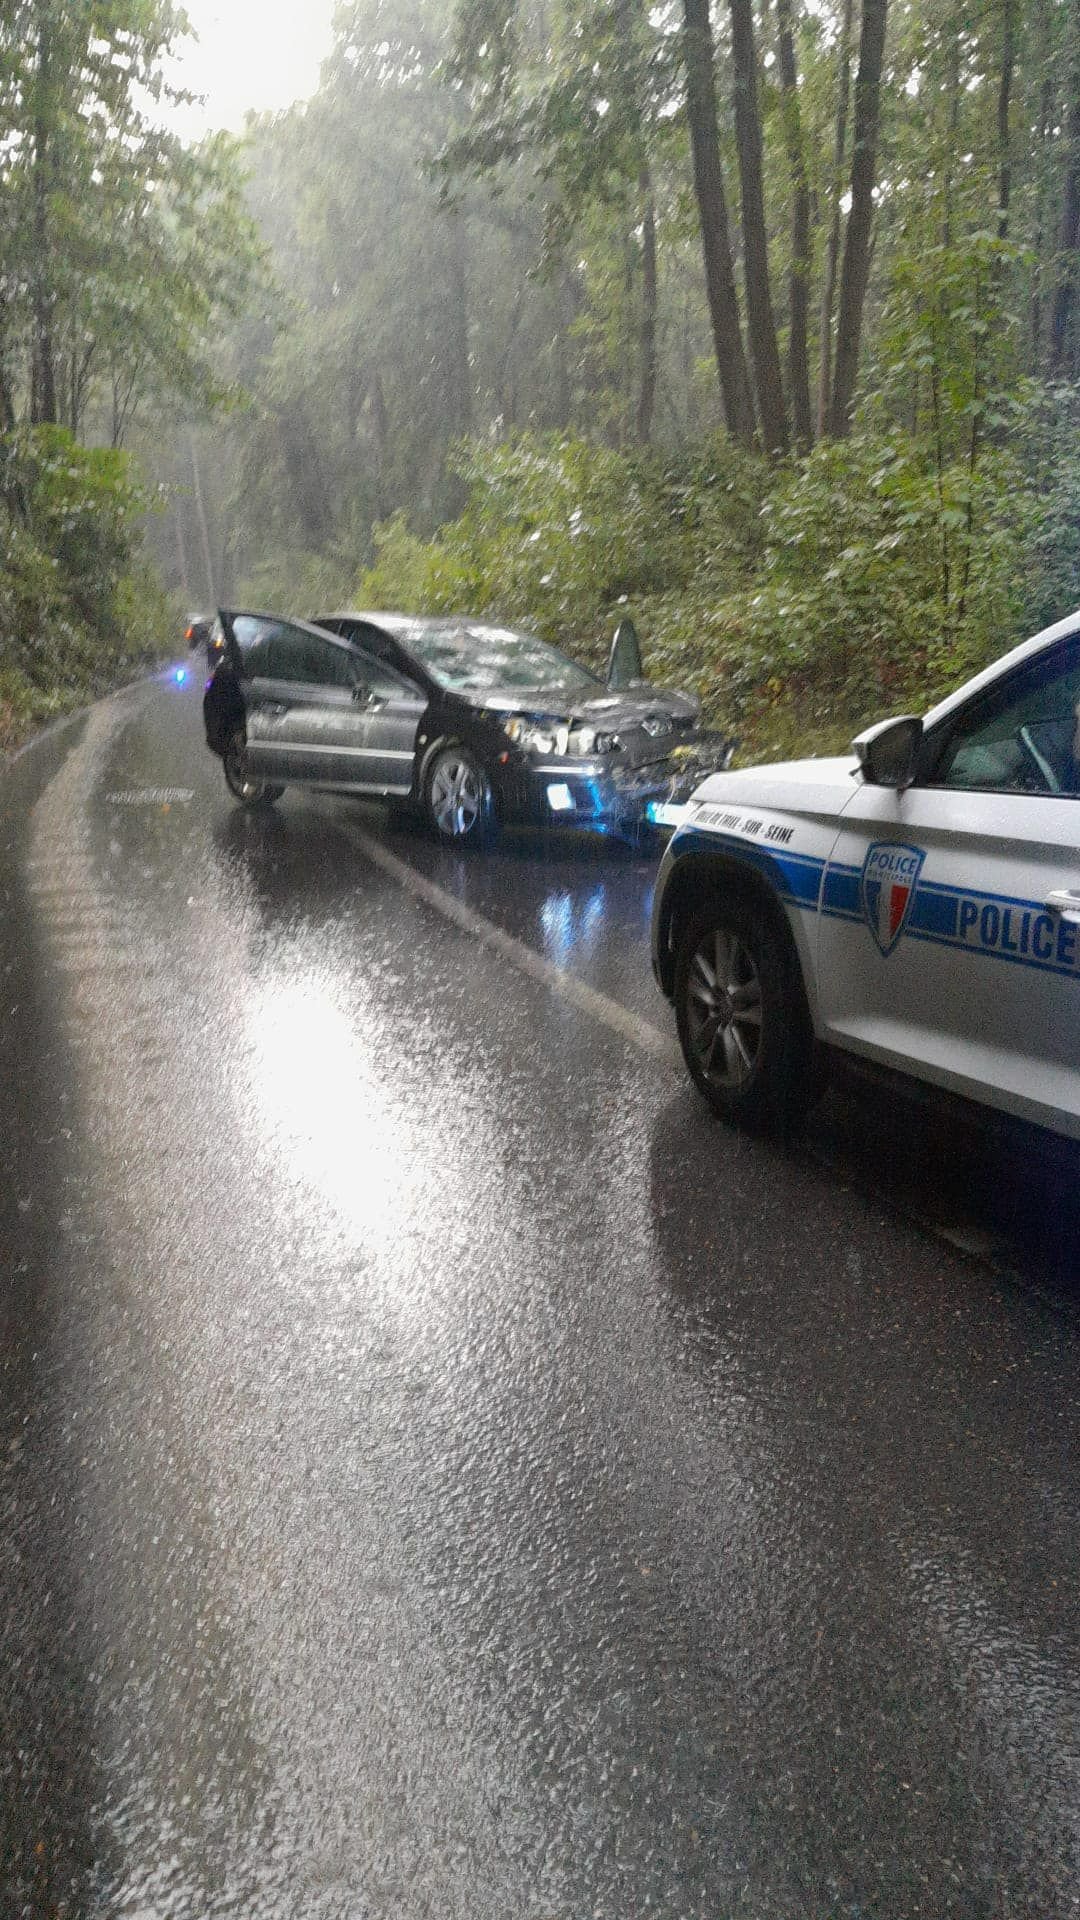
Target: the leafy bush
pixel 799 600
pixel 560 534
pixel 881 584
pixel 77 607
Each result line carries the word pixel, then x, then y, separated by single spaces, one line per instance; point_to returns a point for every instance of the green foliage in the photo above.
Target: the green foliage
pixel 799 601
pixel 121 251
pixel 489 246
pixel 855 611
pixel 77 609
pixel 558 532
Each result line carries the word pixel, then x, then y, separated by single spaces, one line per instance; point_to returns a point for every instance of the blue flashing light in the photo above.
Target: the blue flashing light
pixel 180 675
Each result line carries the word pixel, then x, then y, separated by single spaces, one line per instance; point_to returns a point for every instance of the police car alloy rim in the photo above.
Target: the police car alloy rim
pixel 457 796
pixel 723 1005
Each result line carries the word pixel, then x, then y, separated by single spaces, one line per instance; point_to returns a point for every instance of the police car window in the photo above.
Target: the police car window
pixel 1021 738
pixel 303 658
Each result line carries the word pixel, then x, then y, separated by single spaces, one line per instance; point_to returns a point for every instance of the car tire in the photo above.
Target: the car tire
pixel 249 792
pixel 458 799
pixel 744 1025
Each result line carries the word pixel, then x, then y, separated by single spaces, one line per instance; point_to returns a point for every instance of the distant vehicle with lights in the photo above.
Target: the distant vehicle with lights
pixel 475 725
pixel 200 631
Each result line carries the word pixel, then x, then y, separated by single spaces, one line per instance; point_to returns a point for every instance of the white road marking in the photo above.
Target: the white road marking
pixel 599 1006
pixel 152 796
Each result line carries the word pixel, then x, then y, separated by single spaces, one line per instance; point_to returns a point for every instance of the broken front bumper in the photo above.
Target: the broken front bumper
pixel 710 753
pixel 601 794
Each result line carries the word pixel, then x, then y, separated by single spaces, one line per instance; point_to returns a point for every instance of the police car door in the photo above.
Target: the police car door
pixel 949 939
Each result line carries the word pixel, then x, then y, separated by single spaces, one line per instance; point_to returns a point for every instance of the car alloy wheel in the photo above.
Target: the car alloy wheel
pixel 744 1024
pixel 459 797
pixel 249 792
pixel 723 1012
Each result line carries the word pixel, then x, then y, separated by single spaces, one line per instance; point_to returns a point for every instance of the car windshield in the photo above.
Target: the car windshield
pixel 467 658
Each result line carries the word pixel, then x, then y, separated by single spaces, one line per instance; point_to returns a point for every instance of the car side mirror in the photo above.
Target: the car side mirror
pixel 624 661
pixel 888 753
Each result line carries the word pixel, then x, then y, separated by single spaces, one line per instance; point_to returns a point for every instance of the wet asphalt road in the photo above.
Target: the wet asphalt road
pixel 445 1474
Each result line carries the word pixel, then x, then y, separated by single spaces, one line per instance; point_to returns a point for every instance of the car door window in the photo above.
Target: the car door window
pixel 1021 737
pixel 378 645
pixel 380 680
pixel 303 659
pixel 256 655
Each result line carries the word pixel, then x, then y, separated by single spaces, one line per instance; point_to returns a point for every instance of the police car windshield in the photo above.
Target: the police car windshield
pixel 470 658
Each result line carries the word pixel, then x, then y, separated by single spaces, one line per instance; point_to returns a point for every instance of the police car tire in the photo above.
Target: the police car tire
pixel 783 1082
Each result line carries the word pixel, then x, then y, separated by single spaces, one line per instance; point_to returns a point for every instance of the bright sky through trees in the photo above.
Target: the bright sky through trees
pixel 249 53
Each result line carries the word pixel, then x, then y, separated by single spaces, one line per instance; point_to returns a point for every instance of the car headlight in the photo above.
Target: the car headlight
pixel 539 734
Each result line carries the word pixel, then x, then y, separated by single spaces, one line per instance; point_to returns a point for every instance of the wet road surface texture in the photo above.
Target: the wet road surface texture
pixel 445 1473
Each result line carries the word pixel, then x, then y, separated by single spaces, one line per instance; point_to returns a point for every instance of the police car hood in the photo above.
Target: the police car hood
pixel 789 786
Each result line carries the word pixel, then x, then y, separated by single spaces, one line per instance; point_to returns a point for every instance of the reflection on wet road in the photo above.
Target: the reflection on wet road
pixel 444 1473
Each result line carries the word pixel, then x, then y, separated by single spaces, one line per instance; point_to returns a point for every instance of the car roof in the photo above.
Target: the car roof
pixel 400 625
pixel 1039 642
pixel 284 620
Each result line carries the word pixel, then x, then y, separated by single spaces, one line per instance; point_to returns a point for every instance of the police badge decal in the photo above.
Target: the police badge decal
pixel 889 877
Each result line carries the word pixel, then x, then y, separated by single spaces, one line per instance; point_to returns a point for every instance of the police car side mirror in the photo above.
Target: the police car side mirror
pixel 888 752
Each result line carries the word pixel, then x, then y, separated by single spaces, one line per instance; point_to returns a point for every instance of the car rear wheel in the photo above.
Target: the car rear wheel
pixel 743 1022
pixel 249 792
pixel 460 805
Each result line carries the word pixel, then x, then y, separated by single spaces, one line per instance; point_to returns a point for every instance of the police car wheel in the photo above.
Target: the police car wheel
pixel 249 792
pixel 742 1018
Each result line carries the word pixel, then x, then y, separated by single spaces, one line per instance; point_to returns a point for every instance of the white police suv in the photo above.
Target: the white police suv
pixel 917 904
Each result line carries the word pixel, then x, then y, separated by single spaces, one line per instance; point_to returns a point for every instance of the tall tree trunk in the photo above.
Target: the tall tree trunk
pixel 380 428
pixel 1047 92
pixel 856 268
pixel 309 494
pixel 832 245
pixel 648 350
pixel 43 382
pixel 764 352
pixel 713 216
pixel 7 397
pixel 798 358
pixel 1069 224
pixel 505 402
pixel 952 146
pixel 204 531
pixel 1004 102
pixel 458 367
pixel 181 550
pixel 566 304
